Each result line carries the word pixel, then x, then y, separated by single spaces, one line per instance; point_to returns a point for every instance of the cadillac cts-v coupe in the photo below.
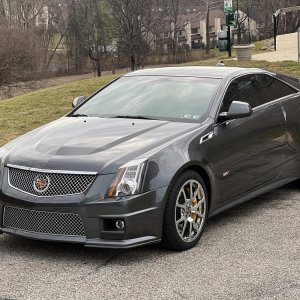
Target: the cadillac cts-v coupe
pixel 151 156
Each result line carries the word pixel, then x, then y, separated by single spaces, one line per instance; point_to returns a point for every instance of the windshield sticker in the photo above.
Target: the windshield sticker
pixel 192 117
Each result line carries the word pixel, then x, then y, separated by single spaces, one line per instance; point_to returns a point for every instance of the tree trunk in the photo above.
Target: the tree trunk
pixel 176 47
pixel 97 62
pixel 132 62
pixel 98 68
pixel 207 31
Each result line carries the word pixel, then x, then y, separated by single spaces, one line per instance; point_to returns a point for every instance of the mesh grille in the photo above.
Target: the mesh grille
pixel 58 184
pixel 43 222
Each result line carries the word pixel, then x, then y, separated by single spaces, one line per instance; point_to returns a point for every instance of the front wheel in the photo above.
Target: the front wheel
pixel 185 213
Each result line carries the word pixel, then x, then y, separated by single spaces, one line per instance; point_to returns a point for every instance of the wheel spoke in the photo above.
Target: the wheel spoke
pixel 199 203
pixel 191 230
pixel 184 227
pixel 196 192
pixel 195 227
pixel 199 214
pixel 180 220
pixel 180 205
pixel 191 190
pixel 182 191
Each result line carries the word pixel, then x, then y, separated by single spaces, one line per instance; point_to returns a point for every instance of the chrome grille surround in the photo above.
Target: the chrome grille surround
pixel 62 183
pixel 44 222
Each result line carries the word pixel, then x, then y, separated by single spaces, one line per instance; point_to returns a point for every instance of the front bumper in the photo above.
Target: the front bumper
pixel 141 214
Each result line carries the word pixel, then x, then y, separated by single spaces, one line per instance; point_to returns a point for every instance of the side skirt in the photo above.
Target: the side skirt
pixel 250 195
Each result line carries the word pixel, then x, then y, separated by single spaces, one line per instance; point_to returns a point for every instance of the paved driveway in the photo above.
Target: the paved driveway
pixel 249 252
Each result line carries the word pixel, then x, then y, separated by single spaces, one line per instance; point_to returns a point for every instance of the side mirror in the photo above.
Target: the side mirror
pixel 237 110
pixel 78 100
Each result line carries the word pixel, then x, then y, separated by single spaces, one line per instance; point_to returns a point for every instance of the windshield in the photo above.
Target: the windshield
pixel 160 97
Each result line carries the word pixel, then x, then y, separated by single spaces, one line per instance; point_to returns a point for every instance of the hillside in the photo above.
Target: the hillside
pixel 29 111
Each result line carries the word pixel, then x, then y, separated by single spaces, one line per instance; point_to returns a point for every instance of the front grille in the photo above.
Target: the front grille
pixel 60 184
pixel 43 221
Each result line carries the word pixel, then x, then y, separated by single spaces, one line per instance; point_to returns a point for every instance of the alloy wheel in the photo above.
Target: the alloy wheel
pixel 190 210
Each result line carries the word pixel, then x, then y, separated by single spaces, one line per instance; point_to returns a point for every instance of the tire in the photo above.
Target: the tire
pixel 189 210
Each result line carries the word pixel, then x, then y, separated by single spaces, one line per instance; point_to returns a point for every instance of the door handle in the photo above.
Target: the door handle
pixel 206 137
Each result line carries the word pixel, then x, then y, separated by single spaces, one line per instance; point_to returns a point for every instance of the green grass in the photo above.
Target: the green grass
pixel 26 112
pixel 258 45
pixel 291 68
pixel 23 113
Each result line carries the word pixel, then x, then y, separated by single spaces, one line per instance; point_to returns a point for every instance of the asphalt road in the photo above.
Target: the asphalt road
pixel 249 252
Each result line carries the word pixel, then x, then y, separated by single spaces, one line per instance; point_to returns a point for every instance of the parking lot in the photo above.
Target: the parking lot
pixel 249 252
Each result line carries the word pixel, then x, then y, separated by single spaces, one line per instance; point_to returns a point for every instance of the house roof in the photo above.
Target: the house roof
pixel 196 16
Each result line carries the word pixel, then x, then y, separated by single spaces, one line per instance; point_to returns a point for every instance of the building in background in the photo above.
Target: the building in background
pixel 249 29
pixel 191 30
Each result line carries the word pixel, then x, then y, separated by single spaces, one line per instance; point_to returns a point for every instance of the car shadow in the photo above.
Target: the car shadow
pixel 19 246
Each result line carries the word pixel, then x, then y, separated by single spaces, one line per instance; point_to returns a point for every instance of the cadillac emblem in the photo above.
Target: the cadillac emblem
pixel 41 183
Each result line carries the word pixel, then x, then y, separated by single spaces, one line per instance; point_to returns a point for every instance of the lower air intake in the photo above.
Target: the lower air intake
pixel 43 222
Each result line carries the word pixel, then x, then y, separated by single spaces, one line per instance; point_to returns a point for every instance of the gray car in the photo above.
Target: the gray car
pixel 151 156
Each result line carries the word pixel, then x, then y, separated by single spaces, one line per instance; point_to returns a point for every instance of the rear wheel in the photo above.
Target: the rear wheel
pixel 185 212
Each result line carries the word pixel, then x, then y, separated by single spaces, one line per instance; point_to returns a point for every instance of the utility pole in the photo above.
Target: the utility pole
pixel 229 12
pixel 207 28
pixel 229 41
pixel 275 18
pixel 238 23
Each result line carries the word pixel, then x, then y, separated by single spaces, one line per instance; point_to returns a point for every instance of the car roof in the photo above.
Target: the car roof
pixel 211 72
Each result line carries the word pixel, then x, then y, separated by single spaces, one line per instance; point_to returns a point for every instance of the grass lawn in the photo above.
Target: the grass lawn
pixel 26 112
pixel 291 68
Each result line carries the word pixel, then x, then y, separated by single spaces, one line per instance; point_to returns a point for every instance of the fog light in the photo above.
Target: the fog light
pixel 120 224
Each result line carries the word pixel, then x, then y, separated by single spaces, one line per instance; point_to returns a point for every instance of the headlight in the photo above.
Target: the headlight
pixel 3 151
pixel 128 179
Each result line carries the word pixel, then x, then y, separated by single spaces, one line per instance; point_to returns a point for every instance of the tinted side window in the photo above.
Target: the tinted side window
pixel 256 89
pixel 243 89
pixel 272 89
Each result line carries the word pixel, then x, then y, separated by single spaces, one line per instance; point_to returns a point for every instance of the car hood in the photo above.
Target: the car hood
pixel 93 144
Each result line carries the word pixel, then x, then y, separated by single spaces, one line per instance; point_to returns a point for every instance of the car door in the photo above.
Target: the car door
pixel 250 149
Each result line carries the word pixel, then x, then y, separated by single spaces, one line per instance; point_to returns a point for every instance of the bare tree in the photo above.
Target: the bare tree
pixel 209 6
pixel 135 26
pixel 89 32
pixel 19 59
pixel 262 11
pixel 97 32
pixel 21 44
pixel 242 17
pixel 75 44
pixel 54 32
pixel 175 14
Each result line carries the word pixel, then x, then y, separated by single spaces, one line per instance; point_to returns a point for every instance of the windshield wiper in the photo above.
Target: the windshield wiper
pixel 132 117
pixel 79 115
